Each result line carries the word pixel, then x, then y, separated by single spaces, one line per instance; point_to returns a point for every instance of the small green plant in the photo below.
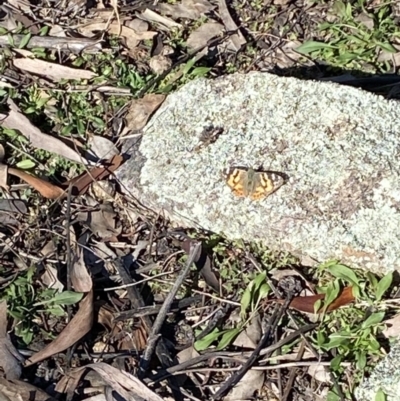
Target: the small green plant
pixel 27 304
pixel 350 43
pixel 255 292
pixel 353 331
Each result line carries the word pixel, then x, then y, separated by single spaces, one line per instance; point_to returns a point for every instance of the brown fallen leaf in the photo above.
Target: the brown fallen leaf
pixel 80 325
pixel 126 385
pixel 10 359
pixel 54 72
pixel 45 188
pixel 306 304
pixel 140 110
pixel 16 120
pixel 81 184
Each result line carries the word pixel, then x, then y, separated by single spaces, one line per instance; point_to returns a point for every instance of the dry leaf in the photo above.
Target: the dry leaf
pixel 191 9
pixel 101 222
pixel 13 206
pixel 131 36
pixel 125 384
pixel 186 355
pixel 80 325
pixel 319 373
pixel 394 329
pixel 16 120
pixel 140 111
pixel 81 184
pixel 17 390
pixel 3 176
pixel 250 337
pixel 80 277
pixel 200 36
pixel 52 71
pixel 251 382
pixel 306 304
pixel 164 22
pixel 46 189
pixel 102 147
pixel 237 40
pixel 10 359
pixel 50 279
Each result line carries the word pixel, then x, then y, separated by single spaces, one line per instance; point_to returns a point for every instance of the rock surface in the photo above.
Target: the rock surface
pixel 339 147
pixel 385 377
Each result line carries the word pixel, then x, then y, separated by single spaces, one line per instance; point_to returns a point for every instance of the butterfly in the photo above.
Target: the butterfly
pixel 246 182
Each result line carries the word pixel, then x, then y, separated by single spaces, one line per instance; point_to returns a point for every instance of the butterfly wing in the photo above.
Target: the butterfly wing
pixel 265 183
pixel 236 180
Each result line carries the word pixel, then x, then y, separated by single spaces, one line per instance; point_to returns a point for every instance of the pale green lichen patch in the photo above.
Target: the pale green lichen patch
pixel 338 145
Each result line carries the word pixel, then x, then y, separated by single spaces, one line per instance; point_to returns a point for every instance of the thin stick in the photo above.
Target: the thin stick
pixel 154 335
pixel 235 378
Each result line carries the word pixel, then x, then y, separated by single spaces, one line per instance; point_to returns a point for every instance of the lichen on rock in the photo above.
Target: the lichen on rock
pixel 339 147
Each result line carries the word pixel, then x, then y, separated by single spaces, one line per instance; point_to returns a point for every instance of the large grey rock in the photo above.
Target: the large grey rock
pixel 339 146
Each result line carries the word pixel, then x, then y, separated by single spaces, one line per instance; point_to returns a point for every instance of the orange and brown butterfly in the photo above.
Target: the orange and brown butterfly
pixel 246 182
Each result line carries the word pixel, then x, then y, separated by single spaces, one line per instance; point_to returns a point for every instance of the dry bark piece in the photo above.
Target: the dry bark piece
pixel 81 184
pixel 17 121
pixel 69 45
pixel 140 110
pixel 80 325
pixel 45 188
pixel 54 72
pixel 164 23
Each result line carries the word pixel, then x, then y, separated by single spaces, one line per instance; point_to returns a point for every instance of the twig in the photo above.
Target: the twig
pixel 137 302
pixel 235 378
pixel 229 355
pixel 154 335
pixel 153 310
